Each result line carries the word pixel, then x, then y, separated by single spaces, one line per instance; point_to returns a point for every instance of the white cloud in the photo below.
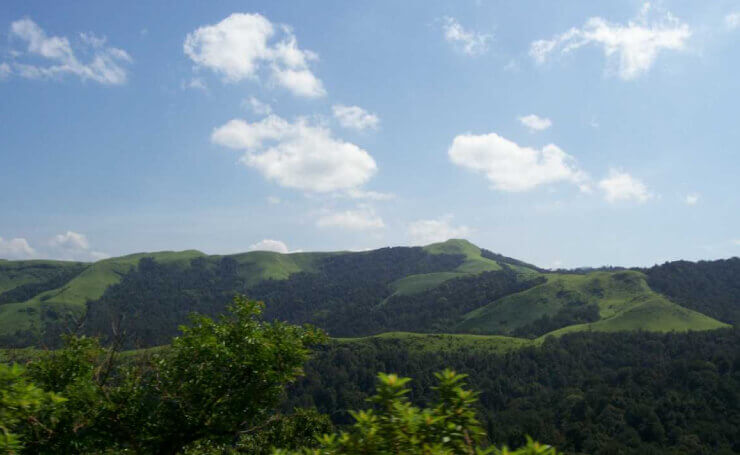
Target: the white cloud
pixel 70 246
pixel 423 232
pixel 270 245
pixel 355 117
pixel 195 83
pixel 356 193
pixel 692 199
pixel 274 200
pixel 5 71
pixel 70 240
pixel 620 186
pixel 17 248
pixel 241 45
pixel 257 106
pixel 301 82
pixel 73 246
pixel 732 20
pixel 512 66
pixel 358 220
pixel 511 167
pixel 105 64
pixel 535 122
pixel 468 42
pixel 736 242
pixel 631 48
pixel 298 155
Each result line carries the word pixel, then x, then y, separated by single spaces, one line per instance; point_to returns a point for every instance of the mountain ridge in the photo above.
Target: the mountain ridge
pixel 451 286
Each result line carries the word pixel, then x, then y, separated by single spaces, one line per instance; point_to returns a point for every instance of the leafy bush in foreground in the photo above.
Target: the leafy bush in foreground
pixel 216 390
pixel 395 426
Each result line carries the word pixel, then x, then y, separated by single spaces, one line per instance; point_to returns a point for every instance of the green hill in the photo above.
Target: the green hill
pixel 17 274
pixel 65 304
pixel 623 301
pixel 476 261
pixel 451 286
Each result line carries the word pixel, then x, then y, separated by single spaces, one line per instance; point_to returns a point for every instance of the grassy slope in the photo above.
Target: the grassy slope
pixel 625 303
pixel 70 299
pixel 265 265
pixel 474 263
pixel 18 273
pixel 446 342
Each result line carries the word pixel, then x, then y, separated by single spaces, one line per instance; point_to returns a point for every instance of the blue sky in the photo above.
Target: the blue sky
pixel 562 133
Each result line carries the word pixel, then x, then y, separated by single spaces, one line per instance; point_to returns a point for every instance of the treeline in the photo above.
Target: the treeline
pixel 621 393
pixel 709 287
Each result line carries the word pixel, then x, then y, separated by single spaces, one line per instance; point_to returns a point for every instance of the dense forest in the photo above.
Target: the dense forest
pixel 595 393
pixel 710 287
pixel 346 295
pixel 349 307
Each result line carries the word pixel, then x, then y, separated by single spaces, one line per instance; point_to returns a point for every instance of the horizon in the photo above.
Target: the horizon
pixel 564 135
pixel 576 268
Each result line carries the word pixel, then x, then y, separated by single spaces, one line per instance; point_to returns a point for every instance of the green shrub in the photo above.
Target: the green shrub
pixel 395 426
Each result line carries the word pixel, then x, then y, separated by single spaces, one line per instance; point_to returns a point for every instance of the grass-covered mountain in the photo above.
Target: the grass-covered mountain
pixel 446 287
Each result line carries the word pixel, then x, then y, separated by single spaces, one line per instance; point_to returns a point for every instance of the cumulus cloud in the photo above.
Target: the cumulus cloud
pixel 732 20
pixel 17 248
pixel 535 123
pixel 73 246
pixel 297 155
pixel 423 232
pixel 630 48
pixel 511 167
pixel 270 245
pixel 692 199
pixel 69 246
pixel 243 46
pixel 620 186
pixel 104 64
pixel 361 219
pixel 70 240
pixel 257 106
pixel 468 42
pixel 355 117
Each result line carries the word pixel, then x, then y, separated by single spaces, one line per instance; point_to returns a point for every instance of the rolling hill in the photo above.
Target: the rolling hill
pixel 448 287
pixel 621 300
